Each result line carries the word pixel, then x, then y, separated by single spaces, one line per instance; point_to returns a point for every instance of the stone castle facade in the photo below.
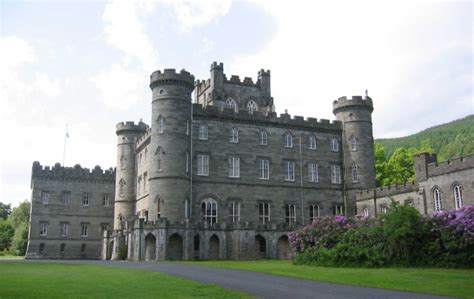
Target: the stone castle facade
pixel 223 178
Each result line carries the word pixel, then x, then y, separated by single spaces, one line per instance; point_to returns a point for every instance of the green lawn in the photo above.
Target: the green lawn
pixel 40 280
pixel 11 256
pixel 450 282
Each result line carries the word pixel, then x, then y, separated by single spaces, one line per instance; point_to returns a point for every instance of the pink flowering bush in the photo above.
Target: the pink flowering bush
pixel 402 237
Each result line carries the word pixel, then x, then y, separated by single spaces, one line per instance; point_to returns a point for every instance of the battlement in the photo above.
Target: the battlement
pixel 354 102
pixel 262 72
pixel 143 139
pixel 285 119
pixel 131 127
pixel 171 77
pixel 218 66
pixel 76 173
pixel 452 165
pixel 387 191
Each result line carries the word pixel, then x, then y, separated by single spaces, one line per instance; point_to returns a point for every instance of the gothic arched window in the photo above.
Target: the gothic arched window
pixel 209 210
pixel 355 173
pixel 122 162
pixel 312 142
pixel 289 140
pixel 252 107
pixel 230 103
pixel 161 124
pixel 457 190
pixel 121 187
pixel 159 158
pixel 263 137
pixel 234 135
pixel 353 143
pixel 438 204
pixel 203 132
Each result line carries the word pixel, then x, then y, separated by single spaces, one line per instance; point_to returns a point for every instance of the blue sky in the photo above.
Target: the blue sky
pixel 87 64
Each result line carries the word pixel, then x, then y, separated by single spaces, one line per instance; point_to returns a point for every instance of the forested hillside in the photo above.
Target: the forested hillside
pixel 449 140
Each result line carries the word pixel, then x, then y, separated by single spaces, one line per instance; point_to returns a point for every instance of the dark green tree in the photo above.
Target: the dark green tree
pixel 6 234
pixel 20 214
pixel 20 239
pixel 5 210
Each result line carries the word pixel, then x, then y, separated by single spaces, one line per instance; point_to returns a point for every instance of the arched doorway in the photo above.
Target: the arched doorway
pixel 110 250
pixel 150 247
pixel 175 247
pixel 214 248
pixel 283 246
pixel 260 247
pixel 196 245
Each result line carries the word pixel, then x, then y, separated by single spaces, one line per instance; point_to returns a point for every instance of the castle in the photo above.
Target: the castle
pixel 221 178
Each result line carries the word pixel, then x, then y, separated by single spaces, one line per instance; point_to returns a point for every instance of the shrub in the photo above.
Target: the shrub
pixel 20 239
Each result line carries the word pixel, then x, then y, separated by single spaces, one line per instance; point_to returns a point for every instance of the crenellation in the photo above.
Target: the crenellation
pixel 354 102
pixel 170 76
pixel 456 164
pixel 130 126
pixel 386 191
pixel 77 172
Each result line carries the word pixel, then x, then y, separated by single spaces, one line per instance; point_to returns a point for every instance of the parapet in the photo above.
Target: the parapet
pixel 263 72
pixel 218 66
pixel 452 165
pixel 354 102
pixel 143 139
pixel 76 173
pixel 285 119
pixel 171 77
pixel 131 127
pixel 387 191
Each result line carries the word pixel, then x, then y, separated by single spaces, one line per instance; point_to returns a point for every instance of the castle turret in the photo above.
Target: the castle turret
pixel 264 81
pixel 170 144
pixel 127 133
pixel 357 145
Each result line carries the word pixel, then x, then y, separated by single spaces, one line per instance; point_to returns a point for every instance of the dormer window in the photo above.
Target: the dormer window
pixel 252 107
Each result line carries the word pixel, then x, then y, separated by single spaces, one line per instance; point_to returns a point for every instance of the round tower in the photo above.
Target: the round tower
pixel 170 144
pixel 357 145
pixel 127 133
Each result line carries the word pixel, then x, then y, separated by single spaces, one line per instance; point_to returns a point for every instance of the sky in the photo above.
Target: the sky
pixel 87 64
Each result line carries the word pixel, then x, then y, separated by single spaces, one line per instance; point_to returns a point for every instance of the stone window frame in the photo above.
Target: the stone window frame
pixel 355 172
pixel 234 210
pixel 234 167
pixel 334 145
pixel 312 209
pixel 290 214
pixel 264 212
pixel 365 212
pixel 437 199
pixel 231 104
pixel 84 230
pixel 203 132
pixel 85 199
pixel 383 209
pixel 105 199
pixel 252 107
pixel 335 173
pixel 202 164
pixel 159 158
pixel 161 124
pixel 44 197
pixel 43 231
pixel 210 210
pixel 313 172
pixel 234 135
pixel 63 229
pixel 122 184
pixel 337 209
pixel 263 168
pixel 312 142
pixel 353 144
pixel 263 135
pixel 457 195
pixel 289 140
pixel 289 167
pixel 122 162
pixel 66 197
pixel 104 227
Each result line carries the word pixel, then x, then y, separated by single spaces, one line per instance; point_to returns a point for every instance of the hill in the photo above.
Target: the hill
pixel 448 140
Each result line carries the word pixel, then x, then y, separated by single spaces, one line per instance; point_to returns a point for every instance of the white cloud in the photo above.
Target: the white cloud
pixel 48 86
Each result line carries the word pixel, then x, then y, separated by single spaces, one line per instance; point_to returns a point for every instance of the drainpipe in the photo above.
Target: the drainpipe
pixel 301 182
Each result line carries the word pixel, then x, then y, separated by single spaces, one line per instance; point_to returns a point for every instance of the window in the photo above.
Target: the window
pixel 289 170
pixel 43 229
pixel 234 211
pixel 263 137
pixel 140 159
pixel 85 200
pixel 187 162
pixel 64 229
pixel 251 107
pixel 203 132
pixel 313 175
pixel 158 207
pixel 234 167
pixel 203 165
pixel 457 196
pixel 209 210
pixel 312 142
pixel 290 212
pixel 62 249
pixel 122 162
pixel 145 179
pixel 366 212
pixel 83 249
pixel 161 124
pixel 187 127
pixel 288 140
pixel 383 209
pixel 146 154
pixel 139 185
pixel 159 158
pixel 264 212
pixel 65 198
pixel 335 174
pixel 313 212
pixel 104 227
pixel 45 197
pixel 84 230
pixel 353 143
pixel 234 135
pixel 121 188
pixel 355 173
pixel 230 103
pixel 437 200
pixel 145 215
pixel 337 210
pixel 105 200
pixel 41 248
pixel 263 169
pixel 334 145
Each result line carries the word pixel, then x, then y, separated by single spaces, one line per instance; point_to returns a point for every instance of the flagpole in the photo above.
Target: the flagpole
pixel 65 139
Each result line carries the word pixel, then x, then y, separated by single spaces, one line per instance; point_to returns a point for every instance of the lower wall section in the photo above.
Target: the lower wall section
pixel 64 249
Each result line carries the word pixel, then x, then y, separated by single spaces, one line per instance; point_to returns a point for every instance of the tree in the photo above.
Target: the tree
pixel 6 234
pixel 5 210
pixel 380 164
pixel 20 214
pixel 20 239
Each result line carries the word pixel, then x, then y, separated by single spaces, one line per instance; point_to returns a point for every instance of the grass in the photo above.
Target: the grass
pixel 449 282
pixel 11 256
pixel 41 280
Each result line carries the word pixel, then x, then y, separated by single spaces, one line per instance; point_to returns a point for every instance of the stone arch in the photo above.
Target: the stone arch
pixel 175 247
pixel 214 247
pixel 150 247
pixel 283 247
pixel 260 247
pixel 196 246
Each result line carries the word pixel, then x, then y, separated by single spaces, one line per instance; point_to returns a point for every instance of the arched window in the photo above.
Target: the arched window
pixel 234 135
pixel 353 143
pixel 290 212
pixel 313 212
pixel 457 190
pixel 230 103
pixel 122 162
pixel 312 142
pixel 252 107
pixel 121 187
pixel 355 173
pixel 209 210
pixel 263 137
pixel 62 249
pixel 161 124
pixel 438 205
pixel 159 158
pixel 203 132
pixel 139 185
pixel 366 212
pixel 334 145
pixel 289 140
pixel 158 207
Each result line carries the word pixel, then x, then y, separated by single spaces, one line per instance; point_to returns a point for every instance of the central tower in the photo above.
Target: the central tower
pixel 170 144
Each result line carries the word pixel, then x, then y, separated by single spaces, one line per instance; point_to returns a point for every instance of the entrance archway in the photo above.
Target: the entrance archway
pixel 175 247
pixel 283 247
pixel 214 248
pixel 196 245
pixel 150 247
pixel 260 247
